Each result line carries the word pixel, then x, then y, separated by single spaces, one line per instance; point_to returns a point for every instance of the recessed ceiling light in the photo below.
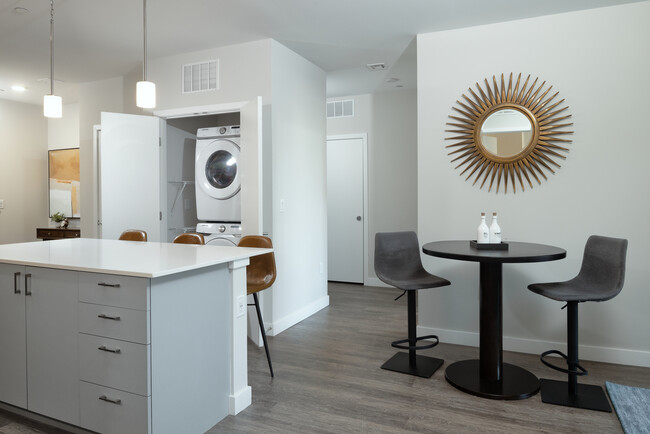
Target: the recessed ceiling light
pixel 18 88
pixel 376 66
pixel 392 80
pixel 21 11
pixel 399 85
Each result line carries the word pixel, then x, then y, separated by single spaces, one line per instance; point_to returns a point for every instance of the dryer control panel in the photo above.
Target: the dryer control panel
pixel 212 132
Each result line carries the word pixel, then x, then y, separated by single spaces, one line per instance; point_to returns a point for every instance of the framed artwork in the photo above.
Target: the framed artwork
pixel 64 182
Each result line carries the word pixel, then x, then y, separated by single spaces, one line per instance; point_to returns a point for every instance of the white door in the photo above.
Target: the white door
pixel 345 209
pixel 130 175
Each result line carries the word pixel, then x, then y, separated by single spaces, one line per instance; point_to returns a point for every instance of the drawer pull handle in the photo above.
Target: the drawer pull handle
pixel 109 350
pixel 17 282
pixel 112 401
pixel 112 285
pixel 114 318
pixel 28 284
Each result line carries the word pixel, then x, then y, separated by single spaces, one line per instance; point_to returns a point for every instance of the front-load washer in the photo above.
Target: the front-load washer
pixel 218 181
pixel 220 234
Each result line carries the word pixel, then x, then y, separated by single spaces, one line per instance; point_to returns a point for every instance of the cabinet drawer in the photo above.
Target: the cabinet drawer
pixel 114 322
pixel 114 290
pixel 131 414
pixel 118 364
pixel 48 233
pixel 71 233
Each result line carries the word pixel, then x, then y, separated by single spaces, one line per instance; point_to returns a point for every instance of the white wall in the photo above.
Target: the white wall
pixel 597 60
pixel 390 120
pixel 94 98
pixel 63 132
pixel 298 164
pixel 244 74
pixel 23 171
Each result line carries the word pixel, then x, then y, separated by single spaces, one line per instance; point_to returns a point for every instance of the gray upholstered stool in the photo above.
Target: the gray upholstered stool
pixel 600 278
pixel 398 263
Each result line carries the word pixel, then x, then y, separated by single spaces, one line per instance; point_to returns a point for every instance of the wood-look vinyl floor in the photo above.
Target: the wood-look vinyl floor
pixel 328 380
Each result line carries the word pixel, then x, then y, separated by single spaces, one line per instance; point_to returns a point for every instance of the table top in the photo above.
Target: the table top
pixel 517 252
pixel 127 258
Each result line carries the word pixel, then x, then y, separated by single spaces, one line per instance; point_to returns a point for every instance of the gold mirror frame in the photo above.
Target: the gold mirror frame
pixel 545 118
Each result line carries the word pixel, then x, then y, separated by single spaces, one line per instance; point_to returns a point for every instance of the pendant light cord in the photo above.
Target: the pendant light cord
pixel 51 47
pixel 144 19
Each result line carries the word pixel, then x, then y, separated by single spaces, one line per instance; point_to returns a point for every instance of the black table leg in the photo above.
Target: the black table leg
pixel 489 377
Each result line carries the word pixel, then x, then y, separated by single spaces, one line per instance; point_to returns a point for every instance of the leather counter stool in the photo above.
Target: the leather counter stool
pixel 189 238
pixel 260 274
pixel 600 278
pixel 398 263
pixel 133 235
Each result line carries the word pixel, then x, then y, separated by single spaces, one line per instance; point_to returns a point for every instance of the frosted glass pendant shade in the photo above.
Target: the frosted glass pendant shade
pixel 145 94
pixel 52 106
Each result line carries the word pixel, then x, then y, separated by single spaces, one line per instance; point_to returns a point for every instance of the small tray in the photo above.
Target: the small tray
pixel 488 246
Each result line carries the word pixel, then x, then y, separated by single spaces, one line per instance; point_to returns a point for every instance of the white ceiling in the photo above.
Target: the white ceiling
pixel 97 39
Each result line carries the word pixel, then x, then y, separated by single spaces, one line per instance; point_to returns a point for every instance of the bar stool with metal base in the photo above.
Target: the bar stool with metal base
pixel 260 275
pixel 600 278
pixel 133 235
pixel 398 263
pixel 189 238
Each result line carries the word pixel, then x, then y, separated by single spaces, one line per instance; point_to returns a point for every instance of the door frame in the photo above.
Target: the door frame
pixel 364 141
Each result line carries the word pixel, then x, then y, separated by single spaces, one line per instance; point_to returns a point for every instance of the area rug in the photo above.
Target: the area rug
pixel 632 405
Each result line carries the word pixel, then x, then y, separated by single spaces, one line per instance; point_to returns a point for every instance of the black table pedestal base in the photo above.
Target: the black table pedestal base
pixel 587 396
pixel 424 366
pixel 516 383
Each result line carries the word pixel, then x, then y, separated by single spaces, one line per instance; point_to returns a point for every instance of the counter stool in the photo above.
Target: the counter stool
pixel 134 235
pixel 398 263
pixel 600 278
pixel 189 238
pixel 260 275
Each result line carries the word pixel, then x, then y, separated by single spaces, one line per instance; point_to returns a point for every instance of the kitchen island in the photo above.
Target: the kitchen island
pixel 121 336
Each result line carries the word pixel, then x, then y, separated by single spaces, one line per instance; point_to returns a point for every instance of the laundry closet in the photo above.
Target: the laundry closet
pixel 181 135
pixel 146 169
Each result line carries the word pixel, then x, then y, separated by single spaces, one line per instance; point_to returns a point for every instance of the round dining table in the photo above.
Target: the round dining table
pixel 489 376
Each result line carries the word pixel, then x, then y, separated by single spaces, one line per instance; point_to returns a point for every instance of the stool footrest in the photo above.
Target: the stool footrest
pixel 579 371
pixel 399 343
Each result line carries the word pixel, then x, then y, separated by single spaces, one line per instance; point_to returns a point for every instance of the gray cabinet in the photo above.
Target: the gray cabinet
pixel 38 311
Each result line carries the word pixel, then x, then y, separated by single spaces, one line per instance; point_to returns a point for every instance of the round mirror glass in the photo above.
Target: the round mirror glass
pixel 506 133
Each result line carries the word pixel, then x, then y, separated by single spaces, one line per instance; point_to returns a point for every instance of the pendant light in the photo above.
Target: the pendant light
pixel 52 104
pixel 145 91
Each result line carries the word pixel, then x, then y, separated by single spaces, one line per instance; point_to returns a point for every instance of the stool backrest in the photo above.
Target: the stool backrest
pixel 133 235
pixel 603 266
pixel 189 238
pixel 397 256
pixel 261 272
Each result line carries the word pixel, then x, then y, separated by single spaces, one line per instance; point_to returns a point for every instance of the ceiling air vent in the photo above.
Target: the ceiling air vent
pixel 340 109
pixel 201 77
pixel 376 66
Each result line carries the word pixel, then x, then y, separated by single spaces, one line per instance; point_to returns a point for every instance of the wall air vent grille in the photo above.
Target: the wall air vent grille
pixel 201 77
pixel 340 109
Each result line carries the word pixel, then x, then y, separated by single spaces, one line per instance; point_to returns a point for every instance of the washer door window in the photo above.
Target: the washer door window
pixel 227 242
pixel 220 173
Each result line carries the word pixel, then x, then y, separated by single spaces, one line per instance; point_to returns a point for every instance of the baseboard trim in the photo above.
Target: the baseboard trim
pixel 374 281
pixel 240 400
pixel 619 356
pixel 299 315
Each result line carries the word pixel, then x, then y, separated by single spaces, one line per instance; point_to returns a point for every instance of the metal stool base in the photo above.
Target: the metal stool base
pixel 588 397
pixel 423 367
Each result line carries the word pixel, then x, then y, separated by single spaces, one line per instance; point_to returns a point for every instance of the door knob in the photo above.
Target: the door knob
pixel 358 218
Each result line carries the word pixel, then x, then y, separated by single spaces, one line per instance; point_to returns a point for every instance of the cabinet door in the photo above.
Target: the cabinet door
pixel 52 347
pixel 13 374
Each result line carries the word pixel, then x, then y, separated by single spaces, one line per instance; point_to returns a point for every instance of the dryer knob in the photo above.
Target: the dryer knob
pixel 222 130
pixel 222 228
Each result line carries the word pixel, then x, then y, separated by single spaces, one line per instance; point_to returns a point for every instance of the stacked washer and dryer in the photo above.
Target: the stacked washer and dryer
pixel 218 185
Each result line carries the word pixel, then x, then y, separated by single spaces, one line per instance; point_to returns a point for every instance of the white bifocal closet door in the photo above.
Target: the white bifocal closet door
pixel 130 175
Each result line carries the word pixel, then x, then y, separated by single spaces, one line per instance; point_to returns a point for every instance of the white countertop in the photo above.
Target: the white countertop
pixel 128 258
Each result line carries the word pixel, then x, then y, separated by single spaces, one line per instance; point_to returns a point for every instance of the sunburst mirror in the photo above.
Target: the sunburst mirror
pixel 509 132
